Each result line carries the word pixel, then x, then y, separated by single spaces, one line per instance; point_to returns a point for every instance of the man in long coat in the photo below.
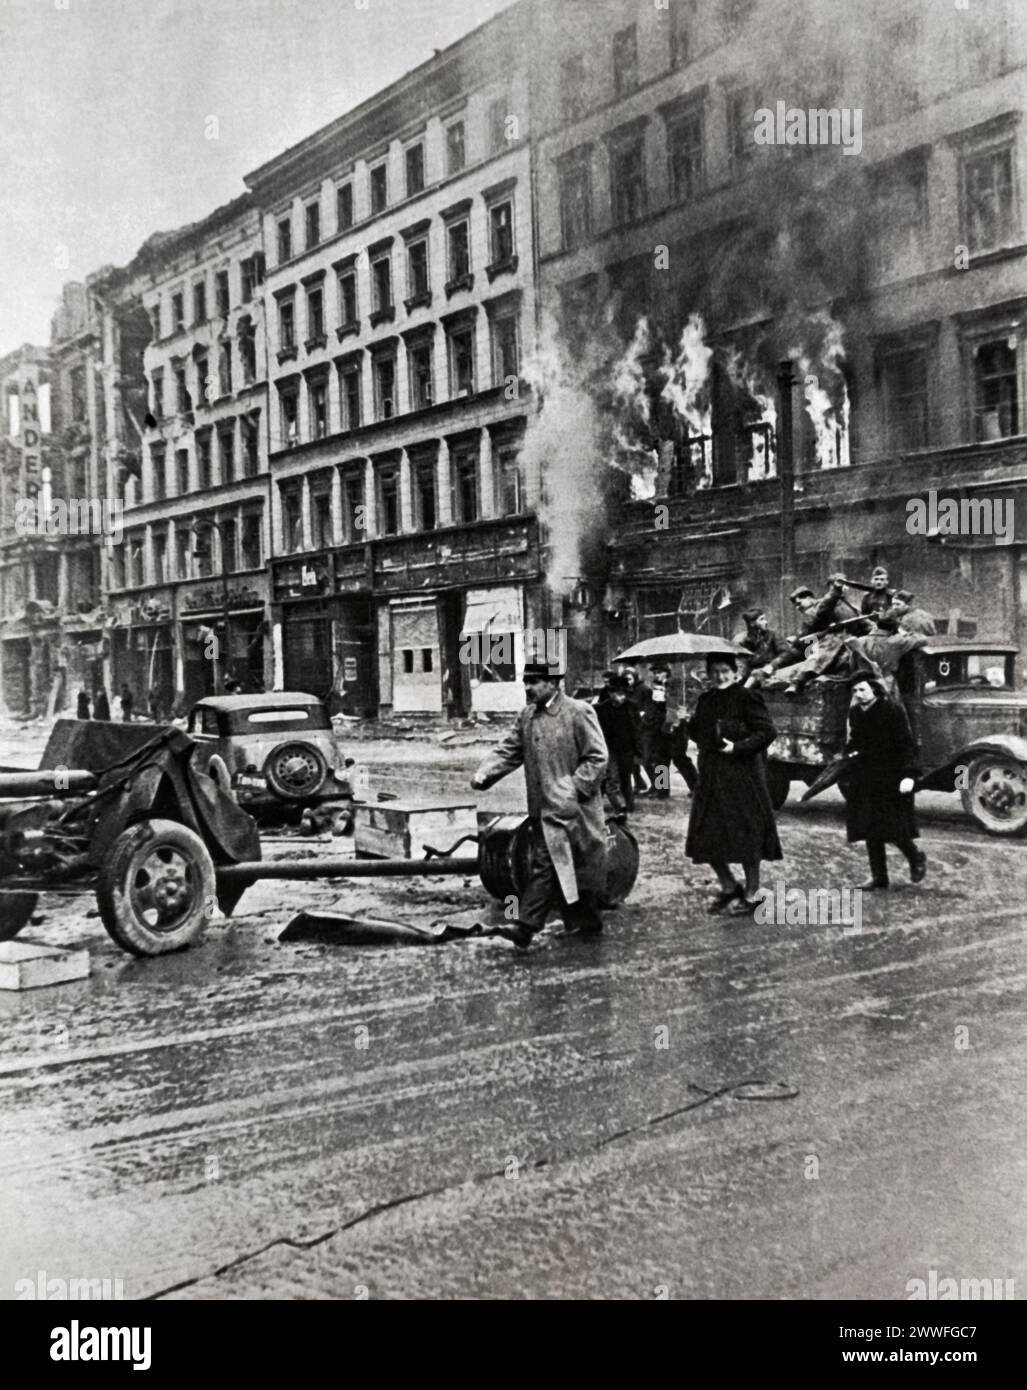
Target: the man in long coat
pixel 879 781
pixel 559 744
pixel 619 722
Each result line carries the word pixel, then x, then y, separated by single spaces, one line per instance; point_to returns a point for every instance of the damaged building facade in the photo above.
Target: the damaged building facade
pixel 400 294
pixel 853 322
pixel 187 588
pixel 53 522
pixel 543 334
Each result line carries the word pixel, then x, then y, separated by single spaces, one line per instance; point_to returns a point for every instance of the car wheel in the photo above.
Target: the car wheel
pixel 996 794
pixel 16 908
pixel 296 771
pixel 156 888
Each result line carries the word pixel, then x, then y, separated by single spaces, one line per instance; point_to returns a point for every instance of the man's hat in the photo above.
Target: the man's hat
pixel 751 614
pixel 541 671
pixel 803 591
pixel 904 596
pixel 619 684
pixel 659 668
pixel 879 570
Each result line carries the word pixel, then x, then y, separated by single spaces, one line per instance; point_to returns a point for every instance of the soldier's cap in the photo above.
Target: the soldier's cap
pixel 803 591
pixel 904 596
pixel 880 571
pixel 886 623
pixel 541 671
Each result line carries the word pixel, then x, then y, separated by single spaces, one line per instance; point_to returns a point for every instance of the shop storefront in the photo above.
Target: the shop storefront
pixel 492 648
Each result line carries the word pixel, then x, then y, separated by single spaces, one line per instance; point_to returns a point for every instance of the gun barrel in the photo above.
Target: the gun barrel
pixel 856 584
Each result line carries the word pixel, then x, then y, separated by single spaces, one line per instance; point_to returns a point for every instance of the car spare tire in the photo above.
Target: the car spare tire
pixel 296 771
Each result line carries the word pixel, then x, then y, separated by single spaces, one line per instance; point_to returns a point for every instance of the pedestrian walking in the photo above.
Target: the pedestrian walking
pixel 102 706
pixel 732 820
pixel 619 722
pixel 82 707
pixel 657 744
pixel 127 701
pixel 879 781
pixel 560 745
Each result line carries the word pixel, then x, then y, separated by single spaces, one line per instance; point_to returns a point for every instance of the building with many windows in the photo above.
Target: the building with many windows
pixel 875 298
pixel 400 297
pixel 188 586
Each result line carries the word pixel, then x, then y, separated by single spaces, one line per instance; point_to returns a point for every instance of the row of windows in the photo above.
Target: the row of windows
pixel 251 277
pixel 988 194
pixel 348 524
pixel 995 392
pixel 225 544
pixel 459 270
pixel 980 49
pixel 502 130
pixel 194 385
pixel 218 457
pixel 350 411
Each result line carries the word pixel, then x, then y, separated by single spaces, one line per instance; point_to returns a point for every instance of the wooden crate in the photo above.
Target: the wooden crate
pixel 401 829
pixel 26 965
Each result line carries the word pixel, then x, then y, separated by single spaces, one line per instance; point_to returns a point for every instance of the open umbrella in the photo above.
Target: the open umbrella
pixel 681 646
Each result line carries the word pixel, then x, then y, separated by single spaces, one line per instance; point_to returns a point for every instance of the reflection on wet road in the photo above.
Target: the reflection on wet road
pixel 467 1121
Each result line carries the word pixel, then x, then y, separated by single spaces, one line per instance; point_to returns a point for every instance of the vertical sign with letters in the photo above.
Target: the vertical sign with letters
pixel 31 440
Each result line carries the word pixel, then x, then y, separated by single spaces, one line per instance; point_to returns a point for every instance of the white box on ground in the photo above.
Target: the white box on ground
pixel 26 965
pixel 401 829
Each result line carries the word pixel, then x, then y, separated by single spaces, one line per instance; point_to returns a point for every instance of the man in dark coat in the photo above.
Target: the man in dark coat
pixel 827 652
pixel 102 706
pixel 764 643
pixel 82 708
pixel 619 722
pixel 127 701
pixel 732 820
pixel 654 711
pixel 879 782
pixel 560 745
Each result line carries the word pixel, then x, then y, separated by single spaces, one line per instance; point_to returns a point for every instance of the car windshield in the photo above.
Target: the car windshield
pixel 984 670
pixel 287 720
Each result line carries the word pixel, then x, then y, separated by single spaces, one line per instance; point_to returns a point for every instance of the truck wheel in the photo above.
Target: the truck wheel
pixel 295 771
pixel 16 908
pixel 779 781
pixel 996 794
pixel 155 889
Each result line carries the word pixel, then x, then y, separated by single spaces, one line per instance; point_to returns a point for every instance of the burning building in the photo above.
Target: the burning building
pixel 826 337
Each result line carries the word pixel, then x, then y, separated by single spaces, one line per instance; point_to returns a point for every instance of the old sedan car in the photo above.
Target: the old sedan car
pixel 273 751
pixel 967 716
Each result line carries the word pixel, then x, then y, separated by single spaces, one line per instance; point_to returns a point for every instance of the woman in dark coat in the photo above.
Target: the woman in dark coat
pixel 101 705
pixel 732 820
pixel 82 708
pixel 879 780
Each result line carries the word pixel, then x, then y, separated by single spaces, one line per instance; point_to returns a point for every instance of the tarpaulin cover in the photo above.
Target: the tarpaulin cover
pixel 94 745
pixel 336 928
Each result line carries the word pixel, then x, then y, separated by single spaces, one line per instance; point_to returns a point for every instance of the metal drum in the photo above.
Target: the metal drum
pixel 503 860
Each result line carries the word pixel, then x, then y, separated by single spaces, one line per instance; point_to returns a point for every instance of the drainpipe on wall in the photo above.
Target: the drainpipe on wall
pixel 786 475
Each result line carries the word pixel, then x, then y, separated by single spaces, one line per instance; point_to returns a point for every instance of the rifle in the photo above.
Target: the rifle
pixel 842 626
